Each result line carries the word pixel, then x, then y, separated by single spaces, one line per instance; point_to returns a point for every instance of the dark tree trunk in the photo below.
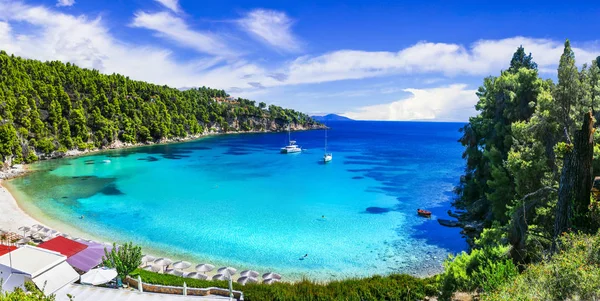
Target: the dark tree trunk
pixel 576 179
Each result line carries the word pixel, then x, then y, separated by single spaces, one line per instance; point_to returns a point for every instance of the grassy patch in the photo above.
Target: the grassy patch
pixel 392 287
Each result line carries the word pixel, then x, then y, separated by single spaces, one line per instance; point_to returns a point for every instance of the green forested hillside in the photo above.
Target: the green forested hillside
pixel 48 107
pixel 531 156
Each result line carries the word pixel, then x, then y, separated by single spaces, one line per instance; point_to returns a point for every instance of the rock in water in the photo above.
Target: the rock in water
pixel 448 223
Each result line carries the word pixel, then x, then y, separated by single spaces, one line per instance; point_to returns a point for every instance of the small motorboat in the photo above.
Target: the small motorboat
pixel 424 213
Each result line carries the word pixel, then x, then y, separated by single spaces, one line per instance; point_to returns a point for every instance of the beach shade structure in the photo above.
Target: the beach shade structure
pixel 98 276
pixel 195 275
pixel 63 246
pixel 147 268
pixel 231 270
pixel 174 272
pixel 271 275
pixel 37 227
pixel 25 229
pixel 90 257
pixel 37 236
pixel 65 235
pixel 220 277
pixel 24 241
pixel 205 267
pixel 157 268
pixel 148 259
pixel 249 273
pixel 270 281
pixel 163 261
pixel 244 280
pixel 181 265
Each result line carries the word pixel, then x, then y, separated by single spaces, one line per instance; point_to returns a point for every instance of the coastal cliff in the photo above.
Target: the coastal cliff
pixel 53 109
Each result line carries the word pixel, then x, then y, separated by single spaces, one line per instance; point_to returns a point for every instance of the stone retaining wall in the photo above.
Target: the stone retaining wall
pixel 178 290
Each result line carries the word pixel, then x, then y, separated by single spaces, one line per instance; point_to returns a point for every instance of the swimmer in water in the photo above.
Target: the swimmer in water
pixel 323 216
pixel 305 255
pixel 81 217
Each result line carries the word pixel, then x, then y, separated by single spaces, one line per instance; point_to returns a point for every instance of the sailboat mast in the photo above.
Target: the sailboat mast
pixel 325 140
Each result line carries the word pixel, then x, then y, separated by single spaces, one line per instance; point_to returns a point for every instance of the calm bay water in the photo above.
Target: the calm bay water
pixel 235 200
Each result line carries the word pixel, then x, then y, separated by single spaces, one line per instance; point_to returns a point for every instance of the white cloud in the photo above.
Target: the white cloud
pixel 65 2
pixel 482 58
pixel 170 4
pixel 88 43
pixel 449 103
pixel 271 27
pixel 175 29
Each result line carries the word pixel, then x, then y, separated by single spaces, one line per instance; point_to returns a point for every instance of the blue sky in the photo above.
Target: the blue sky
pixel 384 60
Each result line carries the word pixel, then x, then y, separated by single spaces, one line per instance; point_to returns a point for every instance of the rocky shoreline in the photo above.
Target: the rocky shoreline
pixel 9 171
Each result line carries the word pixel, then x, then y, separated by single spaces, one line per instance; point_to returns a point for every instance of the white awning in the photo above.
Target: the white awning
pixel 56 278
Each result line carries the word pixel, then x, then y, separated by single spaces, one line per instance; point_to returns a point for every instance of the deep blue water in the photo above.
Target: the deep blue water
pixel 233 199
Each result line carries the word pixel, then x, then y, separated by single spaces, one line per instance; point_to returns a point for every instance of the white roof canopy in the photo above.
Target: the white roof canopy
pixel 31 260
pixel 56 278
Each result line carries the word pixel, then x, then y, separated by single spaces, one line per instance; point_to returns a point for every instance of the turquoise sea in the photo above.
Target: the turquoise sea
pixel 234 200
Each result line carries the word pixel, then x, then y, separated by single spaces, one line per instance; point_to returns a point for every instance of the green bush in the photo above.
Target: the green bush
pixel 482 269
pixel 393 287
pixel 125 258
pixel 573 273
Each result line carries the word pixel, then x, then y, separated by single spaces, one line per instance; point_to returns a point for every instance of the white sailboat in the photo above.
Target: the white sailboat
pixel 327 156
pixel 292 147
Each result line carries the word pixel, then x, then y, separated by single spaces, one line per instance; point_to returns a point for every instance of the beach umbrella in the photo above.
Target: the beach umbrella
pixel 219 277
pixel 37 227
pixel 148 267
pixel 65 235
pixel 147 258
pixel 205 267
pixel 195 275
pixel 244 280
pixel 51 232
pixel 98 276
pixel 156 268
pixel 162 261
pixel 174 272
pixel 182 265
pixel 230 270
pixel 249 273
pixel 270 281
pixel 24 229
pixel 23 241
pixel 38 236
pixel 271 275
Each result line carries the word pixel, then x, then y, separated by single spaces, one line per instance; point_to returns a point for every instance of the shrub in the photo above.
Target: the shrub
pixel 472 271
pixel 125 259
pixel 573 273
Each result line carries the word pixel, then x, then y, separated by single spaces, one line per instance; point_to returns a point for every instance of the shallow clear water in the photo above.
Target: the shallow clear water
pixel 235 200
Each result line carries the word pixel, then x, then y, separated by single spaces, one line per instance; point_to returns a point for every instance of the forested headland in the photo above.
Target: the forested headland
pixel 49 108
pixel 531 157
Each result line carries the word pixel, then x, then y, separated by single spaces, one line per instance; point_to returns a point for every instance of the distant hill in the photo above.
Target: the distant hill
pixel 330 117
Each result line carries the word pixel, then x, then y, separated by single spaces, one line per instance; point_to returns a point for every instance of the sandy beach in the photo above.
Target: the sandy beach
pixel 12 216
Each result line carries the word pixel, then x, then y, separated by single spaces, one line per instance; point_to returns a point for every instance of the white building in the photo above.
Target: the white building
pixel 48 270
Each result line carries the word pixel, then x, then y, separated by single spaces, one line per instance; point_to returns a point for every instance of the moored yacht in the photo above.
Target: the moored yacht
pixel 292 147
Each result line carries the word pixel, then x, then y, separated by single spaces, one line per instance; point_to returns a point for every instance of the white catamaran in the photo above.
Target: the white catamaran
pixel 327 156
pixel 292 147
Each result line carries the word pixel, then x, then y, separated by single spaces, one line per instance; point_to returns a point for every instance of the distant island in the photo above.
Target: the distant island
pixel 331 117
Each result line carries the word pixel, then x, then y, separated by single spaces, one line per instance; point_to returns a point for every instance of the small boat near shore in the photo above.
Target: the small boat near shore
pixel 424 213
